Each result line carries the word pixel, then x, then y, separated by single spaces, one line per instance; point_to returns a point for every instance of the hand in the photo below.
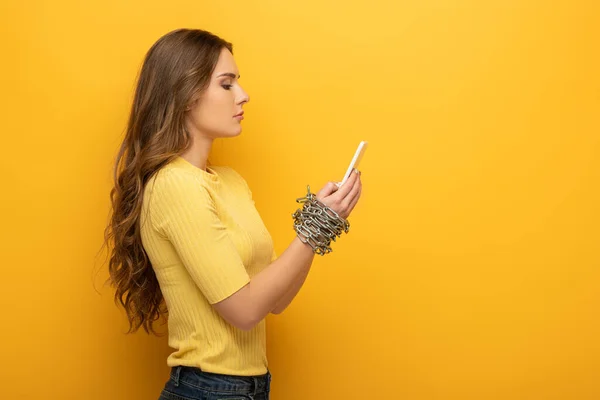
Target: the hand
pixel 342 199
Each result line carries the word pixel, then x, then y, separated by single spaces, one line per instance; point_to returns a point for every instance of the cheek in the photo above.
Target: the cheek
pixel 215 110
pixel 219 101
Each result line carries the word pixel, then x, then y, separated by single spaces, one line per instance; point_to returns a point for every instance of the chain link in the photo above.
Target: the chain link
pixel 317 225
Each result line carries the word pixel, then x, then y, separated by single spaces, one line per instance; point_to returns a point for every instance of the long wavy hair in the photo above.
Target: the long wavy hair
pixel 175 72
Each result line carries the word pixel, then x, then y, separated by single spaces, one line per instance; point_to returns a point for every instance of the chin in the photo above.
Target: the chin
pixel 223 134
pixel 236 132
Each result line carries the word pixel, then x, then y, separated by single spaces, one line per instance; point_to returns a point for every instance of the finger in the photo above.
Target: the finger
pixel 347 186
pixel 352 194
pixel 353 203
pixel 353 197
pixel 327 190
pixel 355 200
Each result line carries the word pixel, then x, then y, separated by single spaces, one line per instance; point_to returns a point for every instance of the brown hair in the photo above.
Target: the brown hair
pixel 176 70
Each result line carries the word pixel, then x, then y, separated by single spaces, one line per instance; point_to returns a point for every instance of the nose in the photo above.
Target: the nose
pixel 244 97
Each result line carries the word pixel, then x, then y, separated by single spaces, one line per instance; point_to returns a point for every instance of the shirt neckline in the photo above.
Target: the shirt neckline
pixel 210 173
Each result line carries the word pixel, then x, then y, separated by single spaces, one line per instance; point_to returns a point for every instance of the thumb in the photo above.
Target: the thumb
pixel 327 190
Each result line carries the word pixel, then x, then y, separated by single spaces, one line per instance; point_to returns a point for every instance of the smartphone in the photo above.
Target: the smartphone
pixel 358 155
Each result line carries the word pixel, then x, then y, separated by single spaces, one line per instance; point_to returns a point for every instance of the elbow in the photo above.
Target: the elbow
pixel 240 312
pixel 241 323
pixel 246 327
pixel 277 310
pixel 246 322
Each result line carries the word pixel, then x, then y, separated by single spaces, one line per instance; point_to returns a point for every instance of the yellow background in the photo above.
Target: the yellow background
pixel 471 269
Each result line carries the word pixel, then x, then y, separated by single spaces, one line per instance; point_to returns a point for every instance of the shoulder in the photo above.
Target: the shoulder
pixel 167 177
pixel 228 173
pixel 171 195
pixel 168 185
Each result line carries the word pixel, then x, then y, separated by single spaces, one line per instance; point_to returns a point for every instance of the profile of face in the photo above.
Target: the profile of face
pixel 215 114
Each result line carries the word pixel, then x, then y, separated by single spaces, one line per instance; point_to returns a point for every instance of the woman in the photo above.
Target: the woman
pixel 188 233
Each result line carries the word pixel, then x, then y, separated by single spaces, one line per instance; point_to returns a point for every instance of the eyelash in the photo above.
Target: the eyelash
pixel 226 87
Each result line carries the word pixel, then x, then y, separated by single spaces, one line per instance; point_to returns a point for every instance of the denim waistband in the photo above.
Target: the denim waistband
pixel 195 377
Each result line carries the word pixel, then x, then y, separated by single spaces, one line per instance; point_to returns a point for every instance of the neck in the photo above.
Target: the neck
pixel 198 153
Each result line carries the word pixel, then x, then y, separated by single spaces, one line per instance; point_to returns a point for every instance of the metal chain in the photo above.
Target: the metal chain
pixel 317 225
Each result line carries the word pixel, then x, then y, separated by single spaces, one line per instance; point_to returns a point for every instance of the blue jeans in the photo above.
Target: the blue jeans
pixel 189 383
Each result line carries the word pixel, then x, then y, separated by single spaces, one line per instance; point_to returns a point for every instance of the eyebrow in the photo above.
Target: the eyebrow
pixel 231 74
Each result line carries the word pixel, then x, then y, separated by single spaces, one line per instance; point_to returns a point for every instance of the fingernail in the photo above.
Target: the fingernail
pixel 355 171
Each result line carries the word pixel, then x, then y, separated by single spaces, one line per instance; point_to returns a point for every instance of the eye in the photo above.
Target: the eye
pixel 226 87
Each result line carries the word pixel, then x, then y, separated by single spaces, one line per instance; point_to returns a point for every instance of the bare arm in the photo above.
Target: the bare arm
pixel 253 302
pixel 285 301
pixel 274 287
pixel 291 293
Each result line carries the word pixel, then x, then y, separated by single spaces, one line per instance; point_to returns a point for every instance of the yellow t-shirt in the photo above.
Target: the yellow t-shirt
pixel 205 240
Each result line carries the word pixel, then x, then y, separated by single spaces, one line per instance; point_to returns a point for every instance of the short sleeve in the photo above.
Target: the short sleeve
pixel 184 211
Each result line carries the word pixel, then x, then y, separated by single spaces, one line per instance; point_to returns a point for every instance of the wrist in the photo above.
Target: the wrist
pixel 316 224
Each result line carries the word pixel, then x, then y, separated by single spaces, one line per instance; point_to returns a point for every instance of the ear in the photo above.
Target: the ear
pixel 191 105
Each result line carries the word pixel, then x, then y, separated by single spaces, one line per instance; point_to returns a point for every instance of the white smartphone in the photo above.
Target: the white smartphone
pixel 358 155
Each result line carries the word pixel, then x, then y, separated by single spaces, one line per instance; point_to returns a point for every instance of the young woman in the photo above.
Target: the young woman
pixel 187 238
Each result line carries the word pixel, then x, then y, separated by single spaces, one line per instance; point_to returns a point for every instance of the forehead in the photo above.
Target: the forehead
pixel 226 63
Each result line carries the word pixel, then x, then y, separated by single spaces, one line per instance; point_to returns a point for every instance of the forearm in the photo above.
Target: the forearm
pixel 291 293
pixel 278 280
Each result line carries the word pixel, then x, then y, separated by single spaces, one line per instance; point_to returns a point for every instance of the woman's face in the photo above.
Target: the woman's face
pixel 213 115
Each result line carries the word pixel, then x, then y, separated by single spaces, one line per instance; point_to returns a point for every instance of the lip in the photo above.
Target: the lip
pixel 240 114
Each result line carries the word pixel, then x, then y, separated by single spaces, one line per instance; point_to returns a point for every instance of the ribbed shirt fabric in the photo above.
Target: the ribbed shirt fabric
pixel 205 240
